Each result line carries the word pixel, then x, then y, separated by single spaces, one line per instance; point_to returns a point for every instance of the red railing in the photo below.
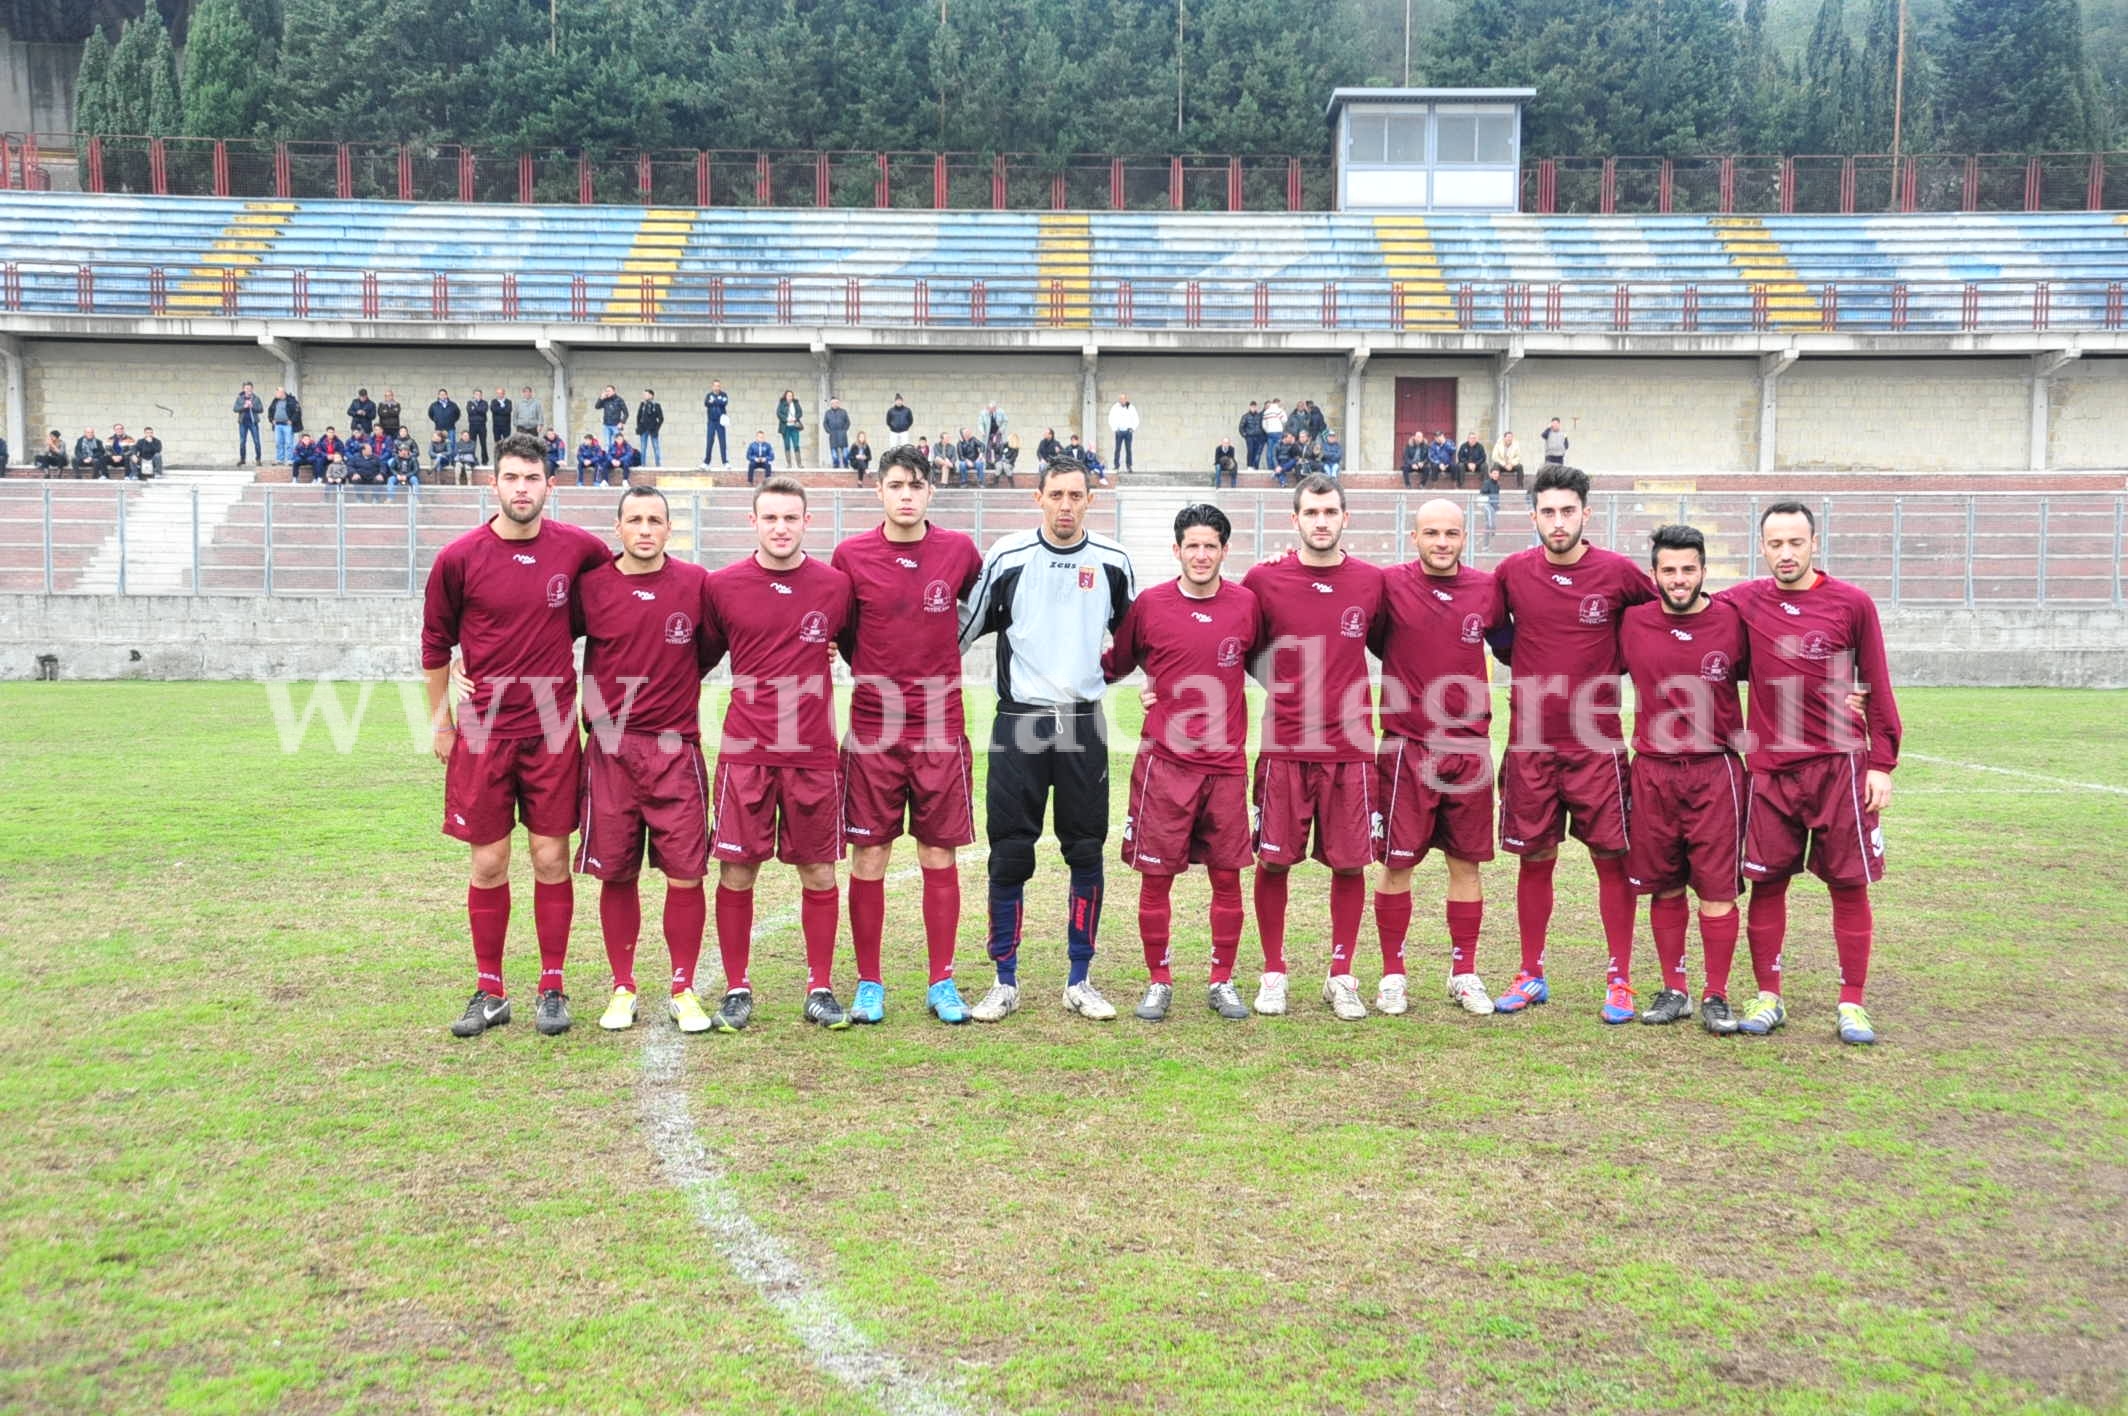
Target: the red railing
pixel 1741 183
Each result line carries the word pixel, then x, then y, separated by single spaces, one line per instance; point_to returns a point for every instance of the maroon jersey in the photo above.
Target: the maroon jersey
pixel 1686 669
pixel 505 606
pixel 642 648
pixel 1313 657
pixel 1566 645
pixel 1195 654
pixel 1431 639
pixel 778 626
pixel 1809 649
pixel 903 640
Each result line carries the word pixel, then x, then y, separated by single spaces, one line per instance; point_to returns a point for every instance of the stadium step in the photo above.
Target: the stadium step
pixel 156 546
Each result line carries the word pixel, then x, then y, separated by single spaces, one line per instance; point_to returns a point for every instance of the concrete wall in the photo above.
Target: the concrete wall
pixel 184 391
pixel 332 372
pixel 1661 415
pixel 1915 414
pixel 238 637
pixel 2089 407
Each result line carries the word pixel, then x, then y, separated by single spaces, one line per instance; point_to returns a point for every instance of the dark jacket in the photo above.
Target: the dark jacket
pixel 718 405
pixel 861 458
pixel 1223 460
pixel 760 454
pixel 148 449
pixel 836 424
pixel 590 457
pixel 1472 455
pixel 1252 423
pixel 1046 449
pixel 308 455
pixel 790 413
pixel 613 410
pixel 291 409
pixel 388 417
pixel 362 415
pixel 476 414
pixel 443 413
pixel 499 410
pixel 624 458
pixel 970 449
pixel 1440 454
pixel 555 452
pixel 89 452
pixel 249 408
pixel 1414 456
pixel 649 417
pixel 900 418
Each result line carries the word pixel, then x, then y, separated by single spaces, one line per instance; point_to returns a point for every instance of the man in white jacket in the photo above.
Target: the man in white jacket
pixel 1123 422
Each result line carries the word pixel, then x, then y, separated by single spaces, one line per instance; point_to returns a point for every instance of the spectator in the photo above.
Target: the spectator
pixel 332 457
pixel 717 405
pixel 790 420
pixel 1093 465
pixel 1225 463
pixel 443 417
pixel 990 426
pixel 476 423
pixel 649 424
pixel 365 464
pixel 968 458
pixel 556 453
pixel 591 461
pixel 760 457
pixel 923 450
pixel 1048 448
pixel 285 412
pixel 443 456
pixel 362 413
pixel 148 454
pixel 622 459
pixel 1075 449
pixel 1286 462
pixel 1413 462
pixel 528 416
pixel 249 409
pixel 1123 422
pixel 1333 454
pixel 860 456
pixel 1440 458
pixel 1274 426
pixel 119 449
pixel 1252 434
pixel 91 458
pixel 501 414
pixel 388 414
pixel 900 418
pixel 1470 460
pixel 1489 492
pixel 949 450
pixel 1555 445
pixel 835 426
pixel 1005 466
pixel 1507 458
pixel 3 457
pixel 53 457
pixel 307 461
pixel 405 466
pixel 613 413
pixel 1317 423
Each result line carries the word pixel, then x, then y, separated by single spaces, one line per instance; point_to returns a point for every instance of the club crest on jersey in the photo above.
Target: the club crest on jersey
pixel 678 629
pixel 1473 629
pixel 1352 623
pixel 557 591
pixel 938 597
pixel 813 629
pixel 644 594
pixel 1594 610
pixel 1715 667
pixel 1229 653
pixel 1815 645
pixel 1086 577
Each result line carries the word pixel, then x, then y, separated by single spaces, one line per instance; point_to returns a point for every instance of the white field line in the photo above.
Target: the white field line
pixel 2012 772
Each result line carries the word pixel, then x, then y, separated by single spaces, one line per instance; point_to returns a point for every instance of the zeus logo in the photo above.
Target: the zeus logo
pixel 779 587
pixel 1200 617
pixel 905 563
pixel 1320 588
pixel 522 559
pixel 644 594
pixel 1562 580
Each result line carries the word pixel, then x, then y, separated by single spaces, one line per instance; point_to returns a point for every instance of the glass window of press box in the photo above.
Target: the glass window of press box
pixel 1428 150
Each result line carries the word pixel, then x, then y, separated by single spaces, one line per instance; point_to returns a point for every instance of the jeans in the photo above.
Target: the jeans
pixel 1492 507
pixel 284 442
pixel 653 454
pixel 393 479
pixel 790 446
pixel 477 440
pixel 1256 442
pixel 1122 460
pixel 716 443
pixel 1233 478
pixel 612 431
pixel 248 430
pixel 838 455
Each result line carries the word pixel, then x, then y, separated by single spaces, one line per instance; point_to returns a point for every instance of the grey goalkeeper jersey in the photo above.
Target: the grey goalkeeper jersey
pixel 1050 607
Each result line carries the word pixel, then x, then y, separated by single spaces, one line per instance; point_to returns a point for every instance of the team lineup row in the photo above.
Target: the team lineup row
pixel 1704 802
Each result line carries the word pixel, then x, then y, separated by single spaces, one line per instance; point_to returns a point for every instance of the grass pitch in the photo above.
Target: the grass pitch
pixel 246 1170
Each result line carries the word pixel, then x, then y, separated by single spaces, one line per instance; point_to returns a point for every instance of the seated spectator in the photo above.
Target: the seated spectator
pixel 1507 458
pixel 53 457
pixel 365 464
pixel 591 462
pixel 443 456
pixel 622 459
pixel 1470 460
pixel 1333 454
pixel 968 458
pixel 307 462
pixel 1225 464
pixel 1441 459
pixel 923 450
pixel 120 449
pixel 760 457
pixel 91 457
pixel 405 463
pixel 859 456
pixel 1286 461
pixel 556 453
pixel 148 454
pixel 1414 464
pixel 1047 448
pixel 1007 463
pixel 334 454
pixel 1094 465
pixel 3 457
pixel 1075 450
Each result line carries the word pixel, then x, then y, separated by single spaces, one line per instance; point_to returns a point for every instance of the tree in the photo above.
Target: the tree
pixel 92 110
pixel 2020 78
pixel 228 72
pixel 1829 119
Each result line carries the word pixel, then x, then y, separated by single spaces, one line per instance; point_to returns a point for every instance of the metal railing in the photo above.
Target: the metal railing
pixel 1923 549
pixel 136 289
pixel 1717 183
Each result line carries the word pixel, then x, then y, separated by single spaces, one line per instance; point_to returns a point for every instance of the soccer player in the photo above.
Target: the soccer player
pixel 1686 653
pixel 1566 762
pixel 776 792
pixel 1050 595
pixel 1821 768
pixel 641 616
pixel 500 595
pixel 906 756
pixel 1188 799
pixel 1315 756
pixel 1434 768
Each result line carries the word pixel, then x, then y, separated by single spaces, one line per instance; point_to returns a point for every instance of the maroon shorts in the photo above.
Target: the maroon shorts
pixel 1545 790
pixel 1688 825
pixel 932 788
pixel 1433 800
pixel 1813 807
pixel 652 785
pixel 1336 798
pixel 793 814
pixel 1179 817
pixel 486 793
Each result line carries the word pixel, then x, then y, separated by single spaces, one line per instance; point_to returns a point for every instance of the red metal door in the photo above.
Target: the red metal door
pixel 1425 406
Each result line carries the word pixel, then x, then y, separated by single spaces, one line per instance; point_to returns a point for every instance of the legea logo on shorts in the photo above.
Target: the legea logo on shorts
pixel 678 629
pixel 1594 610
pixel 557 592
pixel 813 629
pixel 1229 653
pixel 1352 623
pixel 938 597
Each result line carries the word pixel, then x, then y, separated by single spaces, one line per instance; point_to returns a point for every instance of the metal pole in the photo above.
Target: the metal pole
pixel 1898 532
pixel 413 538
pixel 121 541
pixel 694 519
pixel 266 542
pixel 979 521
pixel 1969 548
pixel 48 542
pixel 1898 101
pixel 2043 550
pixel 195 542
pixel 340 542
pixel 1825 534
pixel 1396 538
pixel 838 517
pixel 1610 535
pixel 1260 533
pixel 1407 43
pixel 2118 519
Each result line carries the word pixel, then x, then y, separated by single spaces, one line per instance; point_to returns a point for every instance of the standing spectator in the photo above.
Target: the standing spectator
pixel 1274 426
pixel 528 416
pixel 835 425
pixel 501 416
pixel 900 418
pixel 1333 454
pixel 443 417
pixel 1286 460
pixel 990 427
pixel 760 457
pixel 121 454
pixel 968 458
pixel 716 406
pixel 476 422
pixel 388 414
pixel 91 458
pixel 362 413
pixel 860 456
pixel 148 452
pixel 790 420
pixel 1317 423
pixel 1470 460
pixel 1507 458
pixel 613 413
pixel 1225 463
pixel 1123 422
pixel 591 461
pixel 1555 445
pixel 622 459
pixel 1007 462
pixel 249 409
pixel 1489 491
pixel 307 461
pixel 649 423
pixel 286 415
pixel 1441 458
pixel 1252 435
pixel 1413 463
pixel 1048 448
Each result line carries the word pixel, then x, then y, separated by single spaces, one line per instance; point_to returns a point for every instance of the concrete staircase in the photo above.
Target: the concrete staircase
pixel 151 551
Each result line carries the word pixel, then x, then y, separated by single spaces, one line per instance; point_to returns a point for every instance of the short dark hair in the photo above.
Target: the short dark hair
pixel 1316 484
pixel 1677 538
pixel 1561 479
pixel 781 487
pixel 1789 508
pixel 1059 467
pixel 621 508
pixel 1203 514
pixel 522 446
pixel 904 455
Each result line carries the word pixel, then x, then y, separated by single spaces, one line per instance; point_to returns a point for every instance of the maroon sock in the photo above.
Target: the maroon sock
pixel 1533 910
pixel 1270 894
pixel 868 922
pixel 1766 930
pixel 818 913
pixel 620 921
pixel 1465 919
pixel 1226 923
pixel 1348 901
pixel 735 931
pixel 1852 923
pixel 488 916
pixel 1717 945
pixel 553 910
pixel 686 913
pixel 1614 901
pixel 1667 918
pixel 1155 916
pixel 1392 922
pixel 942 918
